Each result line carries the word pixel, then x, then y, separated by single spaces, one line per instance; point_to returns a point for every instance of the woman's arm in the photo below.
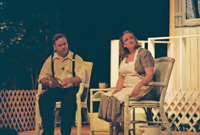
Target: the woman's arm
pixel 149 76
pixel 120 84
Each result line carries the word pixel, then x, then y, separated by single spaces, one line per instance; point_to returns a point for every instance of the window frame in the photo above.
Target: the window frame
pixel 180 15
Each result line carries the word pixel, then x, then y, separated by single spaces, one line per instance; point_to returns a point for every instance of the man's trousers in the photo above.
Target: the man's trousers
pixel 47 102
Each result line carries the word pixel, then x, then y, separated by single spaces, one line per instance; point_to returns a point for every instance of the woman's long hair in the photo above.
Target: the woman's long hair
pixel 123 51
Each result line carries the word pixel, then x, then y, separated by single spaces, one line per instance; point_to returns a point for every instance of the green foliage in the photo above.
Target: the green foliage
pixel 24 46
pixel 11 35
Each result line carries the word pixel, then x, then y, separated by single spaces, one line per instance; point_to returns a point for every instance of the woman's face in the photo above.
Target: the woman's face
pixel 128 41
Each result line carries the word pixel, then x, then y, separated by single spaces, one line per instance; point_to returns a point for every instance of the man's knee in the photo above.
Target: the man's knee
pixel 42 98
pixel 45 99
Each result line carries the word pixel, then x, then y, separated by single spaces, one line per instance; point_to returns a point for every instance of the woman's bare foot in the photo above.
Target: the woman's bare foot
pixel 117 127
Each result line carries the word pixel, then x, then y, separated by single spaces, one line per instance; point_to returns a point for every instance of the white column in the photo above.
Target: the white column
pixel 151 47
pixel 114 67
pixel 170 54
pixel 142 43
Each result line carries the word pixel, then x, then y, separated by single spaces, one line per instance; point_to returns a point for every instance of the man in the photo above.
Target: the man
pixel 62 88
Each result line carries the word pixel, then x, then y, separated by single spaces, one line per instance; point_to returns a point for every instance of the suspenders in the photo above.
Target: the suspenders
pixel 73 65
pixel 52 65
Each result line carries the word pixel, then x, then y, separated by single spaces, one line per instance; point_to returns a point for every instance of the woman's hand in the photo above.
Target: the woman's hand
pixel 120 84
pixel 136 90
pixel 115 91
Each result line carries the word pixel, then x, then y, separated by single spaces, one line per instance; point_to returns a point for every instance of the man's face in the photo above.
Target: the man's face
pixel 61 46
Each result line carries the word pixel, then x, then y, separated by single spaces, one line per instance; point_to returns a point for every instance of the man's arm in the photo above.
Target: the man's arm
pixel 45 73
pixel 45 81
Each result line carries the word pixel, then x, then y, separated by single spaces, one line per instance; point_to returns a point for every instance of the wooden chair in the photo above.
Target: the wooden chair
pixel 162 72
pixel 81 100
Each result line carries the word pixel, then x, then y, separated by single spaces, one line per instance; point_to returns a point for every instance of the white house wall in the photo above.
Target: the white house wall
pixel 192 53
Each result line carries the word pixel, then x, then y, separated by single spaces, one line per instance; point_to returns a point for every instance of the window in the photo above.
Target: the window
pixel 187 13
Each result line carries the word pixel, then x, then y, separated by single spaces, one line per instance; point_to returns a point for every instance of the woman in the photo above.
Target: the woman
pixel 136 70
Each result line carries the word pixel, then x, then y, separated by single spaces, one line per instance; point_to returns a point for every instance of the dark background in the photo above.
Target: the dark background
pixel 90 25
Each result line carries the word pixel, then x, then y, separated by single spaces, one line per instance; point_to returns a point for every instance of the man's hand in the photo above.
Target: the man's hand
pixel 65 82
pixel 53 85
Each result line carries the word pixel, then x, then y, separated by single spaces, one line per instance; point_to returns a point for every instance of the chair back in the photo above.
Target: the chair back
pixel 88 71
pixel 162 72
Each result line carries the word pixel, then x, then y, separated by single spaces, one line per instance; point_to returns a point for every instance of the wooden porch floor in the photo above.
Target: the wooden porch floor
pixel 86 131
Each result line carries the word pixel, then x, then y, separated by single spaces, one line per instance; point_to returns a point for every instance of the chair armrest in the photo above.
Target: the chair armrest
pixel 39 92
pixel 159 84
pixel 81 88
pixel 80 91
pixel 86 85
pixel 128 95
pixel 100 89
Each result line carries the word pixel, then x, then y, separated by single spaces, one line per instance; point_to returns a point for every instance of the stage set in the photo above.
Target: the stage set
pixel 18 108
pixel 20 112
